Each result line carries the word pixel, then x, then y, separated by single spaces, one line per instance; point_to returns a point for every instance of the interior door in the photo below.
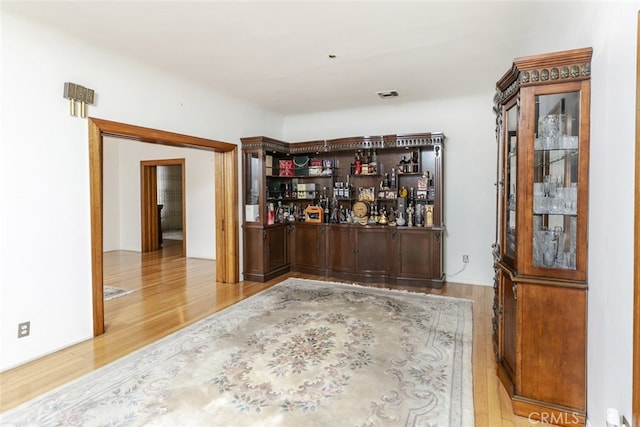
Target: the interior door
pixel 150 221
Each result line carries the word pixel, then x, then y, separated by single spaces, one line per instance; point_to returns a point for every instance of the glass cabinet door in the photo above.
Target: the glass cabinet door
pixel 510 180
pixel 252 179
pixel 555 180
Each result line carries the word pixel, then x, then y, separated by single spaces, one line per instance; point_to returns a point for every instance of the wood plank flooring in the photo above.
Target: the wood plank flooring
pixel 172 292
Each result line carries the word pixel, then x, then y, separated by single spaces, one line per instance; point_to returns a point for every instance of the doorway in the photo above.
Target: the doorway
pixel 162 203
pixel 170 199
pixel 225 161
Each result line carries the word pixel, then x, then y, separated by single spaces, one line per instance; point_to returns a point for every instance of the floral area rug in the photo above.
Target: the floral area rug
pixel 302 353
pixel 111 293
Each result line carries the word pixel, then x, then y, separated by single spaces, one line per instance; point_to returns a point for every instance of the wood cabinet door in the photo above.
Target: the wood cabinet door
pixel 372 251
pixel 254 252
pixel 414 253
pixel 308 247
pixel 553 361
pixel 340 253
pixel 508 321
pixel 277 247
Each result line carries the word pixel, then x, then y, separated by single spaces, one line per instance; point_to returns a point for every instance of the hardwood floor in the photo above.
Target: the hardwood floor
pixel 172 292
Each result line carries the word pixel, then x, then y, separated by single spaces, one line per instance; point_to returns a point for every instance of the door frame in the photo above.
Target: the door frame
pixel 635 421
pixel 225 199
pixel 636 257
pixel 149 227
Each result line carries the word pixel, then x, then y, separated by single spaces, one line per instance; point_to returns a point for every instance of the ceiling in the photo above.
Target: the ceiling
pixel 276 54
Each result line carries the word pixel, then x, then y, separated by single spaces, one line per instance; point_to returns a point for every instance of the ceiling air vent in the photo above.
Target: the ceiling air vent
pixel 387 94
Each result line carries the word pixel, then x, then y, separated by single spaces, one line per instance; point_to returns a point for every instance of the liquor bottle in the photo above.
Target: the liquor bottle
pixel 358 164
pixel 382 219
pixel 324 204
pixel 410 212
pixel 366 160
pixel 412 196
pixel 402 206
pixel 403 192
pixel 402 167
pixel 394 179
pixel 280 212
pixel 334 210
pixel 419 215
pixel 386 182
pixel 428 220
pixel 271 214
pixel 373 164
pixel 292 213
pixel 410 164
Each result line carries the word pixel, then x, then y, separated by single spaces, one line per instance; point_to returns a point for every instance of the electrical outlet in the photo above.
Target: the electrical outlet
pixel 465 259
pixel 24 329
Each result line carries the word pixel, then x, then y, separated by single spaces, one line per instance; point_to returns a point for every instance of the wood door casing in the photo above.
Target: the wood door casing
pixel 226 201
pixel 149 239
pixel 636 261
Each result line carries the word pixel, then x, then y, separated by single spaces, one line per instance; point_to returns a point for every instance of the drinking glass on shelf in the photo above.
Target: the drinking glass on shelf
pixel 552 128
pixel 538 189
pixel 540 204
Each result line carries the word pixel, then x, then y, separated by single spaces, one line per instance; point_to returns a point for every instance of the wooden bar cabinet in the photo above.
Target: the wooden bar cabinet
pixel 316 207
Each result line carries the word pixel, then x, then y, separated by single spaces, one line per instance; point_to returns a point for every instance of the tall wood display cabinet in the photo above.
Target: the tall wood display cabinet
pixel 540 256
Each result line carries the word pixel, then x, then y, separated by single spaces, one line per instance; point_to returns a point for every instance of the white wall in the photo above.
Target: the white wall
pixel 45 265
pixel 122 158
pixel 611 210
pixel 469 166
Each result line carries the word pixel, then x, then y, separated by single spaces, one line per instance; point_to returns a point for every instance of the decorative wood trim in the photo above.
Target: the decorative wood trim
pixel 226 197
pixel 568 65
pixel 230 194
pixel 155 136
pixel 265 143
pixel 95 198
pixel 345 144
pixel 149 239
pixel 636 258
pixel 220 213
pixel 97 129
